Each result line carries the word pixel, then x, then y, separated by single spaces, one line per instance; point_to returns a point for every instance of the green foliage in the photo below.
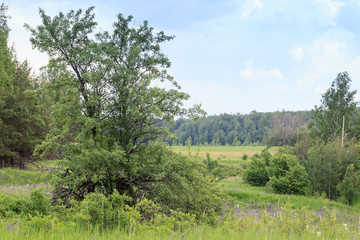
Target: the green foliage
pixel 38 203
pixel 303 143
pixel 336 103
pixel 21 124
pixel 349 186
pixel 184 185
pixel 256 128
pixel 107 113
pixel 327 163
pixel 172 180
pixel 90 169
pixel 286 175
pixel 213 167
pixel 256 172
pixel 282 173
pixel 94 209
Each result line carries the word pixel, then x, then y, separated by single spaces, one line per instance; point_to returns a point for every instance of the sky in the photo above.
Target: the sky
pixel 231 56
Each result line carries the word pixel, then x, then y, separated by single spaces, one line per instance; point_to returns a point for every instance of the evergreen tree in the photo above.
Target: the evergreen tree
pixel 21 126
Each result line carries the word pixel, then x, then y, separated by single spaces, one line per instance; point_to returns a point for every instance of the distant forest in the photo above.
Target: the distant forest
pixel 256 128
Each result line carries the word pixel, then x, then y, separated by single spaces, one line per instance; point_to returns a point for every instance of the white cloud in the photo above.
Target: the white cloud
pixel 259 74
pixel 250 6
pixel 297 53
pixel 325 57
pixel 330 8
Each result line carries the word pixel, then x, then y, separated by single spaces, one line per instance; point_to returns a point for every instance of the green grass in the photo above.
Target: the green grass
pixel 16 177
pixel 222 153
pixel 251 213
pixel 21 183
pixel 237 223
pixel 241 149
pixel 261 197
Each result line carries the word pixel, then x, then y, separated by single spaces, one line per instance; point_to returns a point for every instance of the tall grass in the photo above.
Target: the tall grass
pixel 249 213
pixel 247 222
pixel 16 177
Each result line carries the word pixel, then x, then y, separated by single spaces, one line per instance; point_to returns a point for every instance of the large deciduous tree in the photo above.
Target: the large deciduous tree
pixel 337 105
pixel 113 76
pixel 111 110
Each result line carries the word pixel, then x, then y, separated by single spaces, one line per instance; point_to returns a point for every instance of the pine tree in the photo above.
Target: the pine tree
pixel 21 126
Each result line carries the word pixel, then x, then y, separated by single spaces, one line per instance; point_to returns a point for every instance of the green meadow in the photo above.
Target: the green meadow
pixel 224 154
pixel 249 213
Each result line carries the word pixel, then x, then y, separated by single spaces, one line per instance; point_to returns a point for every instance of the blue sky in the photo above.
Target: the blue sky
pixel 232 56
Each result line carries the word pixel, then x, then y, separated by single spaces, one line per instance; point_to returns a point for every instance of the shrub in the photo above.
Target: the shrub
pixel 295 181
pixel 287 176
pixel 349 186
pixel 327 164
pixel 94 209
pixel 40 202
pixel 173 181
pixel 256 173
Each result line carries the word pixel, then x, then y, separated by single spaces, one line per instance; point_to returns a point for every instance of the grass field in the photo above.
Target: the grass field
pixel 252 213
pixel 222 153
pixel 249 212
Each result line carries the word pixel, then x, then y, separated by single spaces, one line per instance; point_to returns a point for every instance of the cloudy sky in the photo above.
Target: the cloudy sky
pixel 232 56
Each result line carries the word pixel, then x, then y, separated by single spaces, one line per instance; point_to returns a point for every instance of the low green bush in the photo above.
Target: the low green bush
pixel 37 203
pixel 287 176
pixel 256 172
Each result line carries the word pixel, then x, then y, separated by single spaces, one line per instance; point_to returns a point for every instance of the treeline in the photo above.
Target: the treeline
pixel 324 161
pixel 256 128
pixel 22 118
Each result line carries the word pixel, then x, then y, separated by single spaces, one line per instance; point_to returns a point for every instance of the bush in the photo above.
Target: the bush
pixel 173 181
pixel 295 181
pixel 38 203
pixel 256 173
pixel 282 173
pixel 95 209
pixel 349 187
pixel 287 176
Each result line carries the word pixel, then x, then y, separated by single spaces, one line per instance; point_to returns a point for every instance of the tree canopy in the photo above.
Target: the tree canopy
pixel 112 77
pixel 21 126
pixel 110 110
pixel 337 104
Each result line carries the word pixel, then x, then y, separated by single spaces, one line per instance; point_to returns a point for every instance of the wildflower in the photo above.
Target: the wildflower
pixel 182 236
pixel 318 234
pixel 9 227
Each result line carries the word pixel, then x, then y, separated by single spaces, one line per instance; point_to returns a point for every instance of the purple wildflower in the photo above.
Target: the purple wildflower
pixel 9 227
